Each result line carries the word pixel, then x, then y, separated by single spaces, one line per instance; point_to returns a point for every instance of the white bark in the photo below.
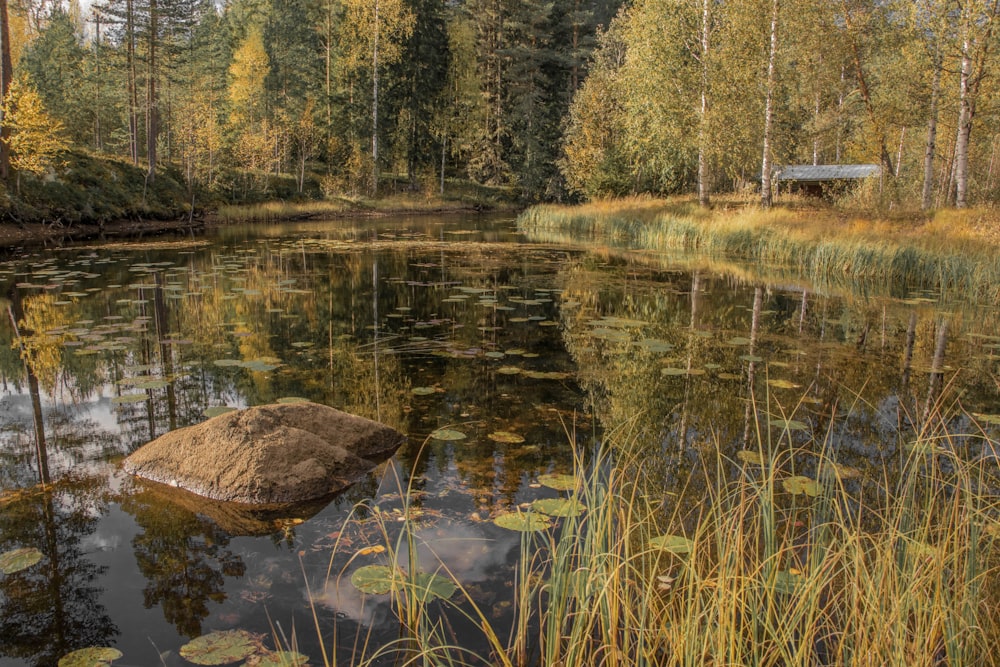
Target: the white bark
pixel 765 166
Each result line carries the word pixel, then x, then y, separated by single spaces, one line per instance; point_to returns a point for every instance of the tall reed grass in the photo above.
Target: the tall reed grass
pixel 770 569
pixel 945 253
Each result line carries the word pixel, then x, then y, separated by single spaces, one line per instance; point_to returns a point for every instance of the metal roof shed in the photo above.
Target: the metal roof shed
pixel 819 178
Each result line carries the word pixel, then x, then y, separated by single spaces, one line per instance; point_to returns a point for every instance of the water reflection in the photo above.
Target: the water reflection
pixel 424 326
pixel 185 558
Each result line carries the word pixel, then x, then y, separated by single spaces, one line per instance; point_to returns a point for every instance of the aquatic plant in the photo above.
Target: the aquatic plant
pixel 953 256
pixel 774 567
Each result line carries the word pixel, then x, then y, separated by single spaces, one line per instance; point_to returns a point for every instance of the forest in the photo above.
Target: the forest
pixel 558 100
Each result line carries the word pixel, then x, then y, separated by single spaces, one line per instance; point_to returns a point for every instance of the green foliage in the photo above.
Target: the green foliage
pixel 35 138
pixel 88 189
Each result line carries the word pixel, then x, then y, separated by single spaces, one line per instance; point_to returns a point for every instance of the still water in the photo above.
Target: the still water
pixel 517 351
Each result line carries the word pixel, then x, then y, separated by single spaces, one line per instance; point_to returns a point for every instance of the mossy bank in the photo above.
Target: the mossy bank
pixel 88 196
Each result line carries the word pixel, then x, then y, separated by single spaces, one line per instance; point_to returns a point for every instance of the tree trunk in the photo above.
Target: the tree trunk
pixel 765 166
pixel 152 101
pixel 375 107
pixel 133 95
pixel 932 120
pixel 6 74
pixel 965 112
pixel 703 186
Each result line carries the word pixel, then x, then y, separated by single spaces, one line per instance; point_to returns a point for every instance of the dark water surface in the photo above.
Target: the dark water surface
pixel 424 324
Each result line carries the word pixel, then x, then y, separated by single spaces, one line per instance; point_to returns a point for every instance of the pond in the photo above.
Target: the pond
pixel 502 358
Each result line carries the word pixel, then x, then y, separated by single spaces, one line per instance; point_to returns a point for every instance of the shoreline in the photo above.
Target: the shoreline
pixel 14 236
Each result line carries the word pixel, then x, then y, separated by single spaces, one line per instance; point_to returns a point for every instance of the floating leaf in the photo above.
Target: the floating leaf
pixel 284 659
pixel 738 340
pixel 423 391
pixel 509 370
pixel 217 410
pixel 152 384
pixel 494 355
pixel 227 362
pixel 993 420
pixel 750 456
pixel 19 559
pixel 447 434
pixel 219 648
pixel 790 424
pixel 542 375
pixel 259 366
pixel 523 521
pixel 788 582
pixel 782 384
pixel 374 549
pixel 673 372
pixel 800 484
pixel 831 469
pixel 654 346
pixel 95 656
pixel 558 506
pixel 373 579
pixel 425 583
pixel 506 437
pixel 675 544
pixel 129 398
pixel 559 482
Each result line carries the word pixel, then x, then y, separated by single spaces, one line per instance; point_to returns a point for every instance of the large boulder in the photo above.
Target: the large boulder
pixel 268 454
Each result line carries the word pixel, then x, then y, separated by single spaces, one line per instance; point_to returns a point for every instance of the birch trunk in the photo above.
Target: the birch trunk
pixel 765 165
pixel 703 186
pixel 932 120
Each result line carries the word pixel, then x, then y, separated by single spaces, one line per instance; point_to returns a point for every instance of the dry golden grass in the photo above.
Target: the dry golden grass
pixel 949 251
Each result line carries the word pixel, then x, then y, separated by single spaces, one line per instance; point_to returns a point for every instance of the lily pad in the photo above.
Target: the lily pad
pixel 423 391
pixel 787 582
pixel 373 579
pixel 782 384
pixel 219 648
pixel 509 370
pixel 152 384
pixel 790 424
pixel 750 456
pixel 559 506
pixel 675 544
pixel 129 398
pixel 19 559
pixel 800 484
pixel 95 656
pixel 559 482
pixel 425 584
pixel 447 434
pixel 523 521
pixel 506 437
pixel 259 366
pixel 673 372
pixel 993 420
pixel 284 659
pixel 836 470
pixel 227 362
pixel 217 410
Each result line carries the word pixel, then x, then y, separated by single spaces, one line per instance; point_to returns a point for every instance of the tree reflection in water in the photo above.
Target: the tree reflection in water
pixel 54 607
pixel 185 558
